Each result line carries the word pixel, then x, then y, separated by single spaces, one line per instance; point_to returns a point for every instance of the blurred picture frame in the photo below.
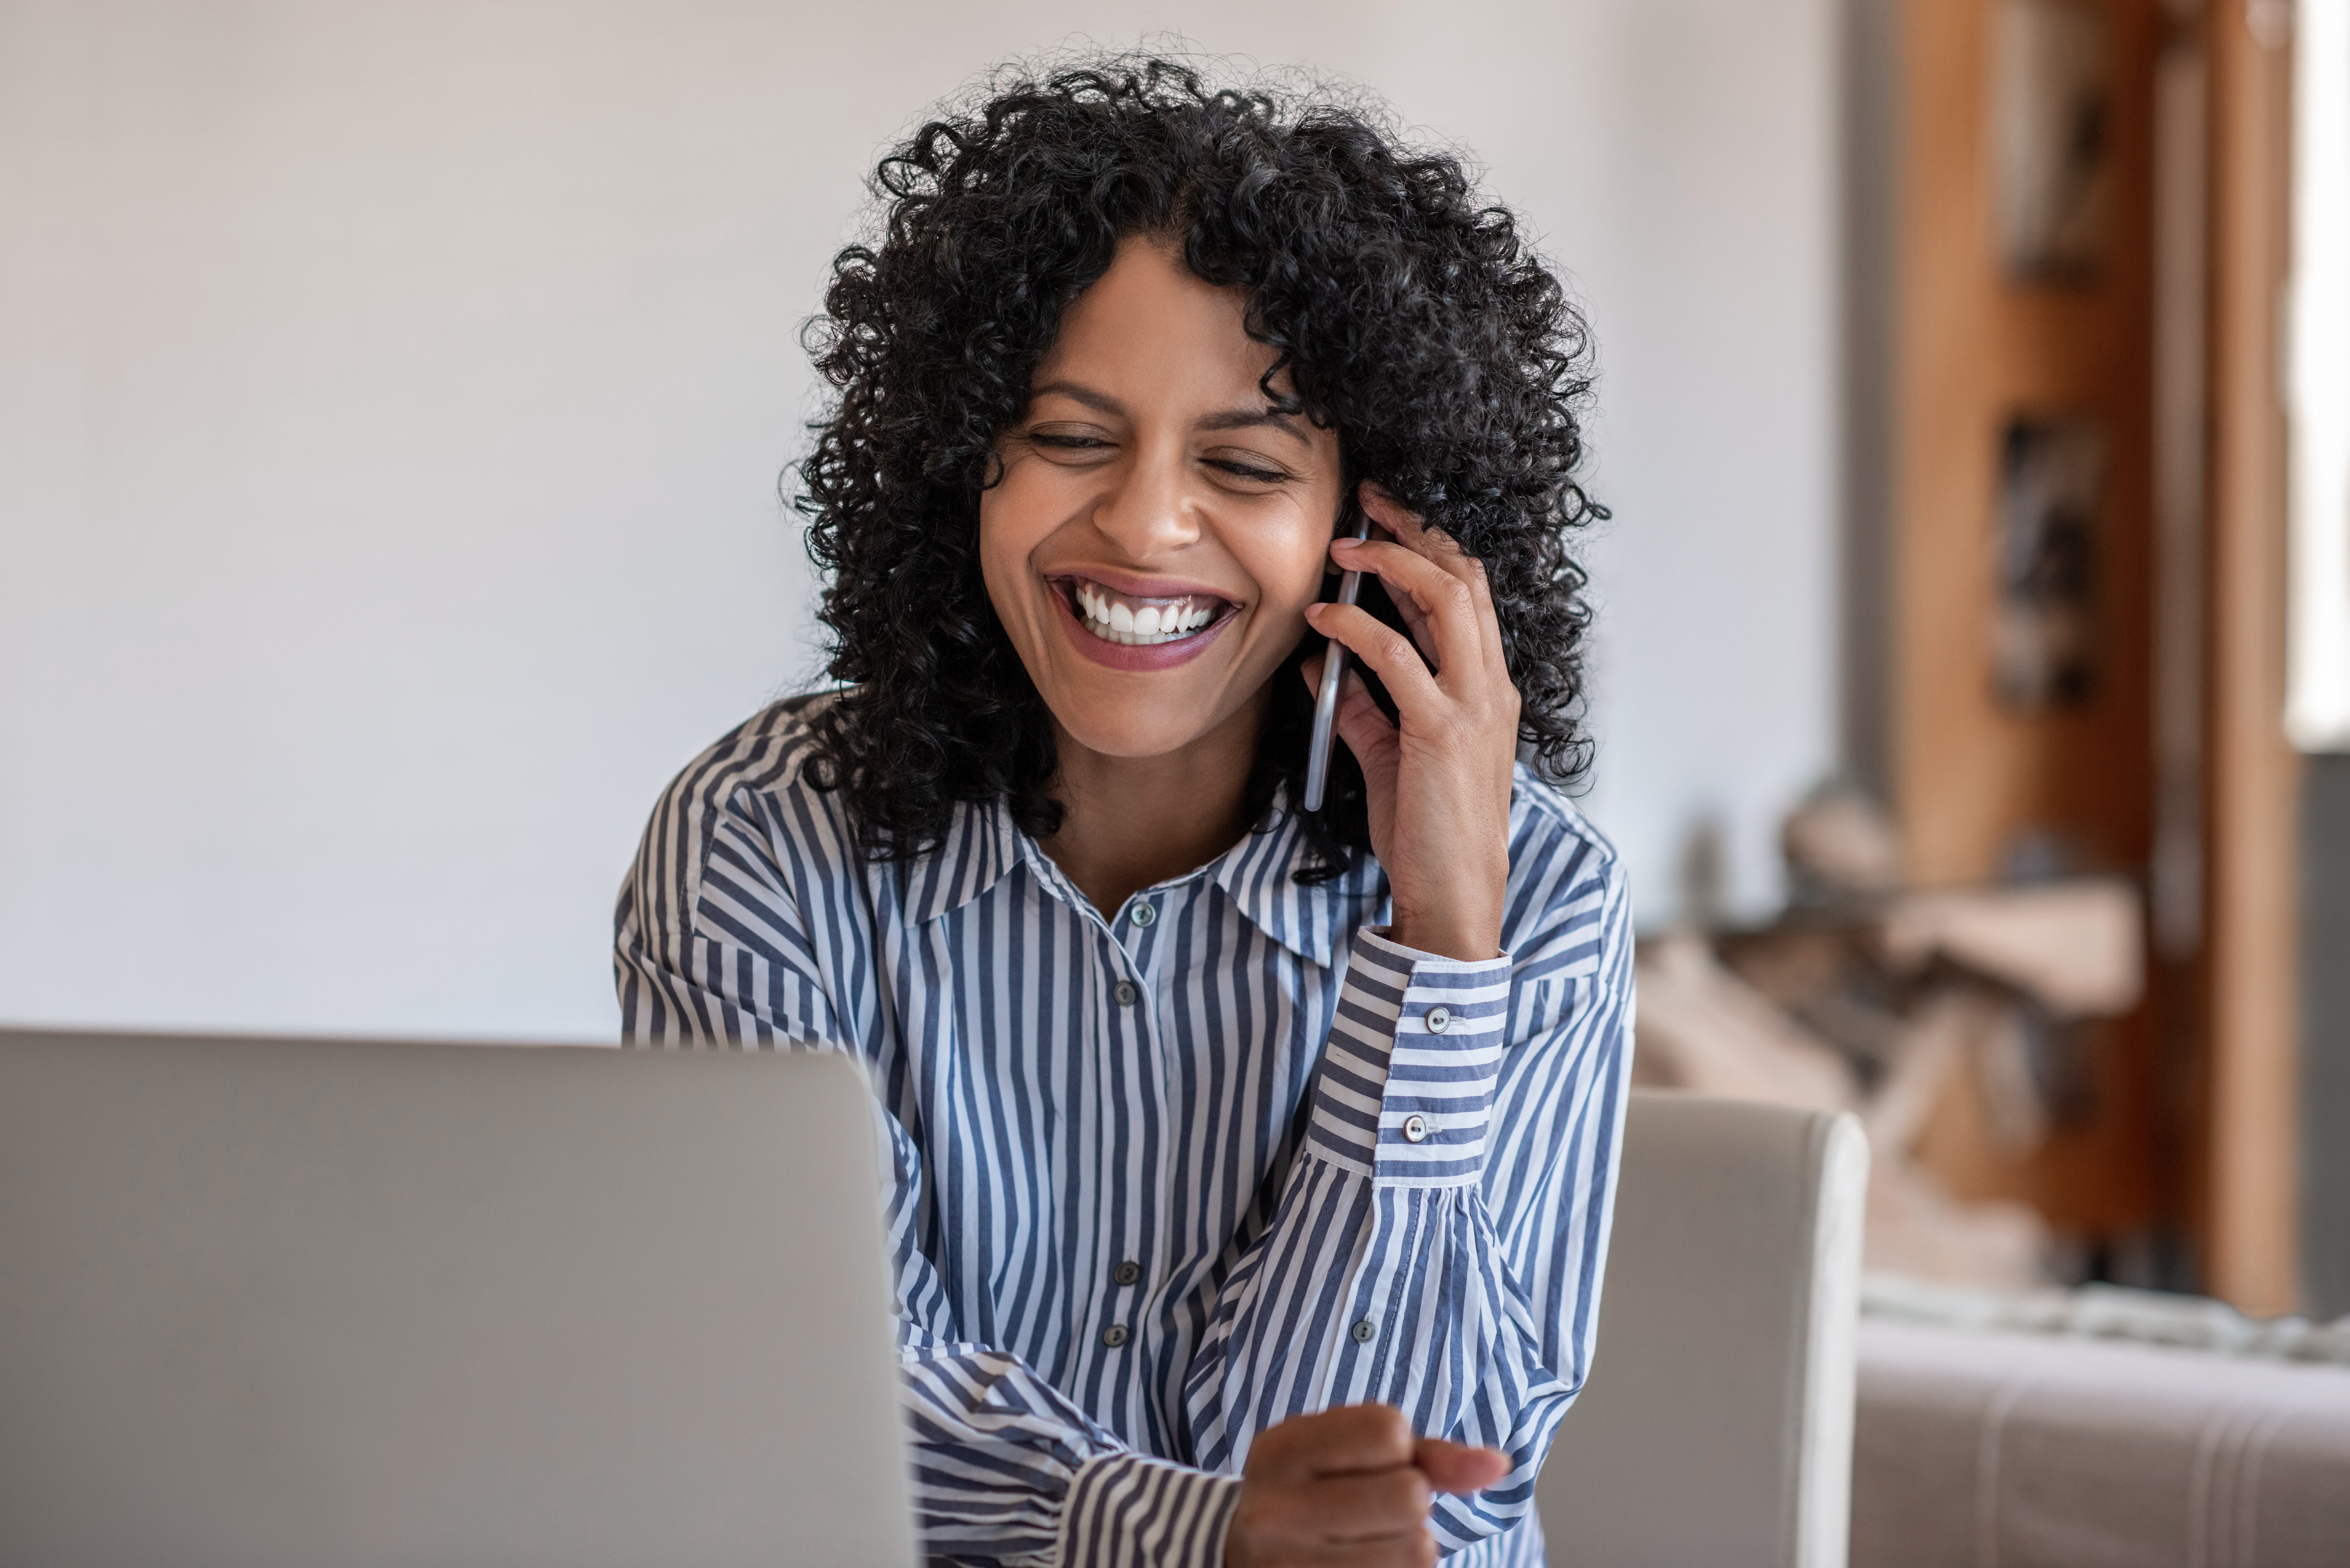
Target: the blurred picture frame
pixel 2046 625
pixel 2051 138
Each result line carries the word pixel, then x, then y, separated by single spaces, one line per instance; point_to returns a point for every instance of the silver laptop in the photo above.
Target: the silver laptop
pixel 268 1303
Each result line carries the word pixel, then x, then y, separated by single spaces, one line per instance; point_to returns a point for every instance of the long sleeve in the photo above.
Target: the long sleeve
pixel 1449 1093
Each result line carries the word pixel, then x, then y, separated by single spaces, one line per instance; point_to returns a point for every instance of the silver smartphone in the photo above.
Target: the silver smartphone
pixel 1333 674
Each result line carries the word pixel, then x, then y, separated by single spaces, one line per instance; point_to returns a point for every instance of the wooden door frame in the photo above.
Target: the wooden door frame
pixel 2249 1163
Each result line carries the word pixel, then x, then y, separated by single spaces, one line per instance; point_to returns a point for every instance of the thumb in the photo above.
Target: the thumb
pixel 1456 1468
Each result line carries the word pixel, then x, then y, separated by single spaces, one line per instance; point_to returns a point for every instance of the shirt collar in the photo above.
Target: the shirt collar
pixel 982 845
pixel 1258 874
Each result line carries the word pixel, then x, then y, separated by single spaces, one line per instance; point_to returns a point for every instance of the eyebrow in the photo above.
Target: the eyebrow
pixel 1249 419
pixel 1224 420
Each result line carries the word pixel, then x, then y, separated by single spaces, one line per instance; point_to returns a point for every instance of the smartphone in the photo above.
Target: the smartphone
pixel 1334 675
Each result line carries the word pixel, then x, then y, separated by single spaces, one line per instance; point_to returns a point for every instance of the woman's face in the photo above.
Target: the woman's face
pixel 1158 529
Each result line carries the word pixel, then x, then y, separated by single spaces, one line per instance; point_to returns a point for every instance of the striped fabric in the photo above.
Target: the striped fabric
pixel 1164 1176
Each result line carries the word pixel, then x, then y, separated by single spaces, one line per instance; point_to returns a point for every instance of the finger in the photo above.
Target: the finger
pixel 1367 1506
pixel 1445 552
pixel 1386 652
pixel 1489 622
pixel 1422 629
pixel 1446 601
pixel 1412 1549
pixel 1415 620
pixel 1411 531
pixel 1387 512
pixel 1367 731
pixel 1458 1469
pixel 1357 710
pixel 1349 1439
pixel 1319 1513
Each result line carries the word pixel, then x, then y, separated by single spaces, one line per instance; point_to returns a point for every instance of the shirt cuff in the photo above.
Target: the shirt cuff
pixel 1128 1511
pixel 1407 1083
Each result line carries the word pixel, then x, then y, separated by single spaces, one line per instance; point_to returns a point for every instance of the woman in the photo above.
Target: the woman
pixel 1250 1167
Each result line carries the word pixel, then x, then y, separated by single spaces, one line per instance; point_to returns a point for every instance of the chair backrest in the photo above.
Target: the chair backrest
pixel 1715 1430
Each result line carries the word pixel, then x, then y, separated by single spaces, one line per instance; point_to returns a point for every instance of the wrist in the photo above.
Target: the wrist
pixel 1465 941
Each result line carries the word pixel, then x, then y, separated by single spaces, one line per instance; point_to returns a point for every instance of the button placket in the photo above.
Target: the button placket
pixel 1131 1024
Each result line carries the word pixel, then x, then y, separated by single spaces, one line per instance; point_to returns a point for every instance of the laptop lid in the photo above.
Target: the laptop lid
pixel 269 1302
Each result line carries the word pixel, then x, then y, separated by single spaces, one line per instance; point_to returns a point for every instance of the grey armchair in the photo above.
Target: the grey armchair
pixel 1715 1430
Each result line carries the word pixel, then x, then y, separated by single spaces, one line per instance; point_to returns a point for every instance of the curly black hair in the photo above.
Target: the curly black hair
pixel 1411 317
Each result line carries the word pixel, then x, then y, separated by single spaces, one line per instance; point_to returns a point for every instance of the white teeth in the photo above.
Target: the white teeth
pixel 1114 621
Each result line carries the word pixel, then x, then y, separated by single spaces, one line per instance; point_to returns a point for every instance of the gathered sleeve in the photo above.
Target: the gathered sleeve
pixel 1440 1242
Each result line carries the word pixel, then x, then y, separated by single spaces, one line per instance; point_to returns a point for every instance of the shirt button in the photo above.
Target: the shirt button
pixel 1126 994
pixel 1440 1019
pixel 1142 914
pixel 1415 1129
pixel 1363 1331
pixel 1125 1273
pixel 1115 1335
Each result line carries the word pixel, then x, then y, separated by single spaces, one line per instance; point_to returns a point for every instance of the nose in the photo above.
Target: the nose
pixel 1151 509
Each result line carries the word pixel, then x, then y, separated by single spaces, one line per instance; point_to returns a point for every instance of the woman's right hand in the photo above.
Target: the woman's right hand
pixel 1349 1486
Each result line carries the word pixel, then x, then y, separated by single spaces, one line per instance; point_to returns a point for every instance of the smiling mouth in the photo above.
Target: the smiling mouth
pixel 1135 622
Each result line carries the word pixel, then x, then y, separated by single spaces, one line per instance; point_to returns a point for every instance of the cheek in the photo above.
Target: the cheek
pixel 1289 566
pixel 1007 536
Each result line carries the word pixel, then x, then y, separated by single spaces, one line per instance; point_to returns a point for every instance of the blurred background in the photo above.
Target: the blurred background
pixel 393 401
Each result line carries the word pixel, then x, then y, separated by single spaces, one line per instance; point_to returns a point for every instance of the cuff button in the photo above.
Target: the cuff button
pixel 1440 1019
pixel 1415 1129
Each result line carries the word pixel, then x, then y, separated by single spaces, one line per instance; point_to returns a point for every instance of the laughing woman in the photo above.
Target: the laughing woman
pixel 1252 1168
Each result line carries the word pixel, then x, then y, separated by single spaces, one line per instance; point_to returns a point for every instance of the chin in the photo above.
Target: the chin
pixel 1120 727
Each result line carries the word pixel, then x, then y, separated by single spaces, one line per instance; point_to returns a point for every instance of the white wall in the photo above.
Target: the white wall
pixel 392 396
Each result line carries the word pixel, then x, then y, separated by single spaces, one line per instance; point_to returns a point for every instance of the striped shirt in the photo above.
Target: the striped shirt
pixel 1164 1176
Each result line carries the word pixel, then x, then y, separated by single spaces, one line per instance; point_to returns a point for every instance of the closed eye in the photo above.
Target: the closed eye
pixel 1247 471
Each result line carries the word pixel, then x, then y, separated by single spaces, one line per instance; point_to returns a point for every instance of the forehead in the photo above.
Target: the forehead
pixel 1149 331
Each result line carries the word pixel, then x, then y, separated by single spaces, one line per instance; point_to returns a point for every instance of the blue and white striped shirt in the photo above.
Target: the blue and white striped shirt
pixel 1167 1176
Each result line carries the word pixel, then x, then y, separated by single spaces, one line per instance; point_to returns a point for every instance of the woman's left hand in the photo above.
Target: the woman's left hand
pixel 1437 782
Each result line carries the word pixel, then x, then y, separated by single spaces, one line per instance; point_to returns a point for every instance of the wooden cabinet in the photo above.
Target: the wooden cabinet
pixel 2189 1133
pixel 1993 354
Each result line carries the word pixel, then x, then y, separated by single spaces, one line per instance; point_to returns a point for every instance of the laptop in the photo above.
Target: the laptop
pixel 272 1303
